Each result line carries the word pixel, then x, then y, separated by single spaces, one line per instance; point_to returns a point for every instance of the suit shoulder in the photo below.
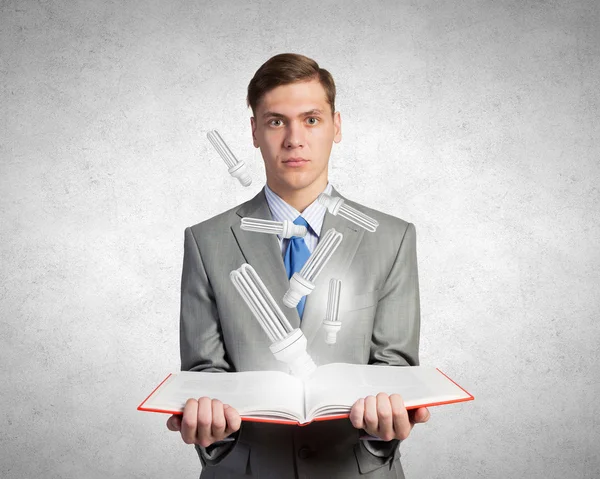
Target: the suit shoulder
pixel 217 223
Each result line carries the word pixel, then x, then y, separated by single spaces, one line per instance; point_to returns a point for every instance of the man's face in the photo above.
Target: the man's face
pixel 294 121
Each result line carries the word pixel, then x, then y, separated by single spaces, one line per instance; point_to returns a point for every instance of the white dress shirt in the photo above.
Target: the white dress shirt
pixel 314 214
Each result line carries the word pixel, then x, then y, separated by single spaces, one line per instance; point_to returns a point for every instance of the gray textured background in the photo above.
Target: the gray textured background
pixel 477 120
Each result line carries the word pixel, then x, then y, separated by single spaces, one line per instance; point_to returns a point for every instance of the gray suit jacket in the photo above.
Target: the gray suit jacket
pixel 380 315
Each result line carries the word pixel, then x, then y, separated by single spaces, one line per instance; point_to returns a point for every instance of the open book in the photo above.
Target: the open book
pixel 329 393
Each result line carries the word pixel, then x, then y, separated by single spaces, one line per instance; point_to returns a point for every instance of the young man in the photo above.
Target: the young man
pixel 295 125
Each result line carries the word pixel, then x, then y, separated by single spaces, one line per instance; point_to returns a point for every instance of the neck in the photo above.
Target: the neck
pixel 302 198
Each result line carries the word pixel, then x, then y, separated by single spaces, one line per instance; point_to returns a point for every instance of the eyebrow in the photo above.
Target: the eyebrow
pixel 314 111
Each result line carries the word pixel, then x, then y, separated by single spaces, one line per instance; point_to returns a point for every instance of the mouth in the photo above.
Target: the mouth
pixel 295 161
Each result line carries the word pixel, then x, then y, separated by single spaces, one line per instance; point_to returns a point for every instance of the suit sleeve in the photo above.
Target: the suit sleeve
pixel 397 324
pixel 396 328
pixel 200 339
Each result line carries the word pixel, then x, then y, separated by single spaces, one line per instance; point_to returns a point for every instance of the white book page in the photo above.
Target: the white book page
pixel 253 393
pixel 334 388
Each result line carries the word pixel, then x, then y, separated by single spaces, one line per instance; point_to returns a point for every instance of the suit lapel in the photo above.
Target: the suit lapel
pixel 316 302
pixel 263 252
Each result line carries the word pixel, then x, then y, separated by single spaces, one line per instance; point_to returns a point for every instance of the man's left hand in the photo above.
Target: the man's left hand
pixel 386 417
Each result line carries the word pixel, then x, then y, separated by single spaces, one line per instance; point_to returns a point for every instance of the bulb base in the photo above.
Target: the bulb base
pixel 239 171
pixel 331 330
pixel 332 203
pixel 290 229
pixel 298 287
pixel 292 351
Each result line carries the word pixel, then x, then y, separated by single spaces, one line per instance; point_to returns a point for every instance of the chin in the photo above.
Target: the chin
pixel 298 183
pixel 297 180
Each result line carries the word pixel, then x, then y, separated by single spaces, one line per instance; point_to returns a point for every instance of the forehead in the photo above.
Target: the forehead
pixel 294 98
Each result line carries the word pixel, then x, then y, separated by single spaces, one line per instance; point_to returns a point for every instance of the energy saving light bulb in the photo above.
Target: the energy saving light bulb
pixel 337 206
pixel 302 282
pixel 285 228
pixel 331 324
pixel 288 345
pixel 237 168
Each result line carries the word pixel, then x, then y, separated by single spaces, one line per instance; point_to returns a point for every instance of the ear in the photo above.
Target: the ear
pixel 253 126
pixel 337 126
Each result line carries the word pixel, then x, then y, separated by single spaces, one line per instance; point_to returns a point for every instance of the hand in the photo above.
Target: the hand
pixel 386 417
pixel 205 421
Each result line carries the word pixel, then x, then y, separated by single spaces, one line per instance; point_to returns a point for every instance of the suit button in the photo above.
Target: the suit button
pixel 304 453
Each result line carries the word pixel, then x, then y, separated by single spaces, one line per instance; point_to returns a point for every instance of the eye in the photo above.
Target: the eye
pixel 313 118
pixel 271 122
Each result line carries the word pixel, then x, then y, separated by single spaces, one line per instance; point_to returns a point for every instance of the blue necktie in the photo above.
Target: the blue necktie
pixel 295 256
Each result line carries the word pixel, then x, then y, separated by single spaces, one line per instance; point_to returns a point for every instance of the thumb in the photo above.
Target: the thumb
pixel 232 418
pixel 422 414
pixel 174 423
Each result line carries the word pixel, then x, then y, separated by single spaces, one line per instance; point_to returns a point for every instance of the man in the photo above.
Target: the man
pixel 295 125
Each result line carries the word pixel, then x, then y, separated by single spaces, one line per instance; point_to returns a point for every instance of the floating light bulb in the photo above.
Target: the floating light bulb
pixel 302 282
pixel 337 206
pixel 288 345
pixel 285 228
pixel 331 324
pixel 237 168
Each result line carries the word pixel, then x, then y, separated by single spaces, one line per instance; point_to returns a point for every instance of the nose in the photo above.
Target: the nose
pixel 293 136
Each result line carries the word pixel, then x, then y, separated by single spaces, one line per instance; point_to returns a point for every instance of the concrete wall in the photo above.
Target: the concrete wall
pixel 478 121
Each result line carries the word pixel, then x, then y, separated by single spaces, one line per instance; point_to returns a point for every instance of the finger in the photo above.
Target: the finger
pixel 370 415
pixel 357 414
pixel 402 425
pixel 218 420
pixel 203 434
pixel 232 418
pixel 189 421
pixel 174 423
pixel 385 426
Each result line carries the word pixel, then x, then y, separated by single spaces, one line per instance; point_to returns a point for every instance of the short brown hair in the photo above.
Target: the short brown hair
pixel 284 69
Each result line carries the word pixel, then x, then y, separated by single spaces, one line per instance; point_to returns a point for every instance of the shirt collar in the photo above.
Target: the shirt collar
pixel 314 214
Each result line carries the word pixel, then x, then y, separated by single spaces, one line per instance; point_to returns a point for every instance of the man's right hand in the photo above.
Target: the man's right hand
pixel 205 421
